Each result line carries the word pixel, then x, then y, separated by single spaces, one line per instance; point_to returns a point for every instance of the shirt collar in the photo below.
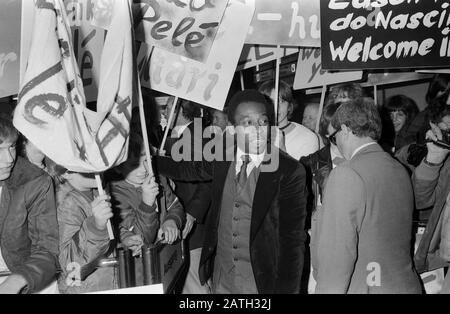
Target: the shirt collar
pixel 361 147
pixel 256 159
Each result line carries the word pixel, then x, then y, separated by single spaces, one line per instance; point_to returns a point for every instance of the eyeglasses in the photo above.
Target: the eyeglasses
pixel 332 137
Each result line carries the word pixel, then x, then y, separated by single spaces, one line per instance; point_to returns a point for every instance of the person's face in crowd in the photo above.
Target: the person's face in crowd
pixel 7 157
pixel 342 96
pixel 310 116
pixel 34 155
pixel 251 124
pixel 135 169
pixel 445 123
pixel 284 108
pixel 398 119
pixel 81 181
pixel 220 119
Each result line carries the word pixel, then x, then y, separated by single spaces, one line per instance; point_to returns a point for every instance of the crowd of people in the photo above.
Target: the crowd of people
pixel 263 204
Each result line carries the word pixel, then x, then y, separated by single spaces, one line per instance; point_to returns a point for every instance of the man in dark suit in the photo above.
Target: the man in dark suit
pixel 365 227
pixel 186 140
pixel 255 237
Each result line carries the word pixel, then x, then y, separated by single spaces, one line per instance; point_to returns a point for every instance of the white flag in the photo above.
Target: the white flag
pixel 51 110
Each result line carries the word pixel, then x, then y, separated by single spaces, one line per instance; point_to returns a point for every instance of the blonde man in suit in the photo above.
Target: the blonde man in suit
pixel 364 236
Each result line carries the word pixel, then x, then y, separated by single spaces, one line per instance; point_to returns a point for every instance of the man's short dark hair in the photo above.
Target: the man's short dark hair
pixel 327 116
pixel 360 116
pixel 7 129
pixel 250 95
pixel 190 110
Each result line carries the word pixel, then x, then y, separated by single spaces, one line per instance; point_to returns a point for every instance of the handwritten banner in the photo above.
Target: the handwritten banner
pixel 88 40
pixel 286 22
pixel 10 19
pixel 186 28
pixel 253 55
pixel 51 110
pixel 385 34
pixel 310 73
pixel 205 83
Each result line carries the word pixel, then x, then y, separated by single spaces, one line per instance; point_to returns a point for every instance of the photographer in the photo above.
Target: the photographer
pixel 431 181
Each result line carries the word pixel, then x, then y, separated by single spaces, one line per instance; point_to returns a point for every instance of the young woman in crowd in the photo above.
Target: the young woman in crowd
pixel 400 111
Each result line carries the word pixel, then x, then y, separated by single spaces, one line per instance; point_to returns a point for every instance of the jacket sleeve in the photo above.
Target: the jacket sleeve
pixel 292 231
pixel 186 171
pixel 81 241
pixel 343 210
pixel 174 210
pixel 136 219
pixel 425 183
pixel 198 206
pixel 40 268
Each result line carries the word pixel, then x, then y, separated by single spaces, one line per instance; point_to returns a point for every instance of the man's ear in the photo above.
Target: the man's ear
pixel 345 130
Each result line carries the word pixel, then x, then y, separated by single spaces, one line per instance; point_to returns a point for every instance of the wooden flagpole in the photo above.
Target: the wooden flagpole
pixel 322 102
pixel 169 123
pixel 102 192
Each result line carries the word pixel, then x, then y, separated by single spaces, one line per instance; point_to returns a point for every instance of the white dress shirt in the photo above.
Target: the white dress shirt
pixel 255 161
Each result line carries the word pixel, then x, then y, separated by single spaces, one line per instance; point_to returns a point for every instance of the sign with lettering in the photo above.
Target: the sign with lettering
pixel 286 22
pixel 310 73
pixel 10 19
pixel 88 40
pixel 184 27
pixel 381 34
pixel 88 43
pixel 51 110
pixel 205 83
pixel 253 55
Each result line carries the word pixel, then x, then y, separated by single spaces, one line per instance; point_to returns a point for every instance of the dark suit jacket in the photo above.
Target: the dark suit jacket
pixel 194 196
pixel 365 227
pixel 277 235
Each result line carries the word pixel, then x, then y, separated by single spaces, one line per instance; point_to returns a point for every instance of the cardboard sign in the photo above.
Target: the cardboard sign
pixel 286 22
pixel 10 19
pixel 51 110
pixel 205 83
pixel 374 34
pixel 310 73
pixel 435 71
pixel 393 77
pixel 253 55
pixel 184 27
pixel 150 289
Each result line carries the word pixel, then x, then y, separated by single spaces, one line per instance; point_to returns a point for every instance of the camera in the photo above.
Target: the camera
pixel 445 142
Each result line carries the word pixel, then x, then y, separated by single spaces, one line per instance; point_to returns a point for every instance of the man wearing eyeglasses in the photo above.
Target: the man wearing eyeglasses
pixel 364 233
pixel 255 238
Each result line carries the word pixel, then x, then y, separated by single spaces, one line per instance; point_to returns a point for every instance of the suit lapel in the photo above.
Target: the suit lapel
pixel 266 188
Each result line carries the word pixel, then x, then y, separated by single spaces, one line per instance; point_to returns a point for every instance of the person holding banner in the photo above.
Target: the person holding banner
pixel 134 198
pixel 255 239
pixel 298 140
pixel 28 225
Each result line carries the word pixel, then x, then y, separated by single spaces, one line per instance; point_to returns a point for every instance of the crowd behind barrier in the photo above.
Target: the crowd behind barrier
pixel 260 203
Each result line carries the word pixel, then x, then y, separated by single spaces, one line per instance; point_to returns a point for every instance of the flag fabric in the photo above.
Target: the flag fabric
pixel 51 110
